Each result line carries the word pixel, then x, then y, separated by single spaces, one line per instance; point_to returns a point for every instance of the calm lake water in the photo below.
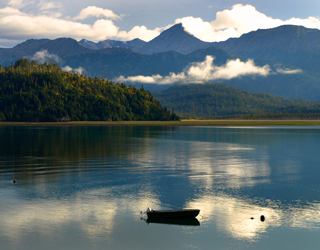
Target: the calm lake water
pixel 84 187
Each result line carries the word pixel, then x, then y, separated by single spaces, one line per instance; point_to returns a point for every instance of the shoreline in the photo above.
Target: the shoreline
pixel 171 123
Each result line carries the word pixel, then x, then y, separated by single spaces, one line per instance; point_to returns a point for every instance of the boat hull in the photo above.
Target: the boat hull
pixel 184 213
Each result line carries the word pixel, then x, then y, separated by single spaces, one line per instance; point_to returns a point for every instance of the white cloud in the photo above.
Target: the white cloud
pixel 238 20
pixel 204 71
pixel 141 32
pixel 9 11
pixel 19 3
pixel 140 78
pixel 93 11
pixel 79 70
pixel 43 55
pixel 17 25
pixel 49 5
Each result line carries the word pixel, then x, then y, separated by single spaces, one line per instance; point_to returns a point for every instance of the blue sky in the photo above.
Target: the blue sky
pixel 97 20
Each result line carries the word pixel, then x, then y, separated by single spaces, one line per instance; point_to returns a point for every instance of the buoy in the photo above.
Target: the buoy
pixel 14 181
pixel 262 218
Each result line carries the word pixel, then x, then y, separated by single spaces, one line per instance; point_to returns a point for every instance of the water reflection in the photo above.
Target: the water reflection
pixel 89 185
pixel 241 217
pixel 94 212
pixel 174 221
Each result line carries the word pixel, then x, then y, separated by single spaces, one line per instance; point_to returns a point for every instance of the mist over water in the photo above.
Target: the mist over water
pixel 84 187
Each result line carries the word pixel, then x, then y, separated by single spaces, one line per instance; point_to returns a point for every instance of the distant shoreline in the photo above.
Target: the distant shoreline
pixel 172 123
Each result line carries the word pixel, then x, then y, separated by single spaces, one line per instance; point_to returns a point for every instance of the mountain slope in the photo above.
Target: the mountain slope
pixel 288 44
pixel 212 100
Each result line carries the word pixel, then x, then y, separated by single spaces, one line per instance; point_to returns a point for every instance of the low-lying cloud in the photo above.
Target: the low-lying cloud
pixel 43 56
pixel 288 71
pixel 206 71
pixel 79 70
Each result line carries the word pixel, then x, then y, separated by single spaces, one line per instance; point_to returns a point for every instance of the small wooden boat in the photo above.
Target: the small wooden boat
pixel 183 213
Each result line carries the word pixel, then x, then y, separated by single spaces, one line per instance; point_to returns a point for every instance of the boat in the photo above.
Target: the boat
pixel 183 213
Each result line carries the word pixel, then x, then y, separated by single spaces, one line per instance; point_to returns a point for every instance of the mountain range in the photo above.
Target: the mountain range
pixel 292 54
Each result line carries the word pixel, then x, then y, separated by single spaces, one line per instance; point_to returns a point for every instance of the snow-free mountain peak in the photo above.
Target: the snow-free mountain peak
pixel 176 38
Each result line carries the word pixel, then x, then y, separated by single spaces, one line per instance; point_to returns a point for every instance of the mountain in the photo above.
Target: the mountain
pixel 213 100
pixel 111 61
pixel 126 62
pixel 176 38
pixel 288 44
pixel 61 47
pixel 133 44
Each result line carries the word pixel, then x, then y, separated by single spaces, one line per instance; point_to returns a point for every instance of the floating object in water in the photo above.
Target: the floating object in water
pixel 14 181
pixel 182 213
pixel 262 218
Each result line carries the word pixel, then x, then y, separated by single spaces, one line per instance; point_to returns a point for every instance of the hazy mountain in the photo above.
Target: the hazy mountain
pixel 289 44
pixel 126 62
pixel 133 44
pixel 61 47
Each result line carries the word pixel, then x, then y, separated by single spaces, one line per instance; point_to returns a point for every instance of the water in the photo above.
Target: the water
pixel 84 187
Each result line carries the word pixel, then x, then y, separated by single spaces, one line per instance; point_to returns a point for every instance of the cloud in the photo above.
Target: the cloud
pixel 288 71
pixel 9 11
pixel 93 11
pixel 43 55
pixel 79 70
pixel 19 3
pixel 236 21
pixel 140 78
pixel 140 32
pixel 204 71
pixel 49 5
pixel 23 26
pixel 16 25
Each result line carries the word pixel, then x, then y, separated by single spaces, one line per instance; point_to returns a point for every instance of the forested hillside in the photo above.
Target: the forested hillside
pixel 214 100
pixel 43 92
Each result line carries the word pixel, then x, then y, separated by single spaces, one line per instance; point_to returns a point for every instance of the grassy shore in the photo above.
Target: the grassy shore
pixel 174 123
